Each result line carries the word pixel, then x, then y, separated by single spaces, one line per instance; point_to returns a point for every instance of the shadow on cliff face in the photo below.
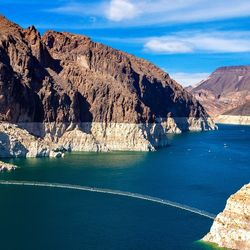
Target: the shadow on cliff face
pixel 156 134
pixel 82 115
pixel 81 107
pixel 10 148
pixel 182 123
pixel 170 102
pixel 67 114
pixel 20 100
pixel 148 89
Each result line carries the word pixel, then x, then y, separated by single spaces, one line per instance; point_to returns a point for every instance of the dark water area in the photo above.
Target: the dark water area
pixel 197 169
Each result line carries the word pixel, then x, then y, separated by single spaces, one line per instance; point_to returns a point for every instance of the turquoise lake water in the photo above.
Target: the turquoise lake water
pixel 197 169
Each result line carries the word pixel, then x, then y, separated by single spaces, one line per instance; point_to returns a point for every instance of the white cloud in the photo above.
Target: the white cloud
pixel 80 9
pixel 114 10
pixel 119 10
pixel 201 41
pixel 187 79
pixel 168 46
pixel 150 12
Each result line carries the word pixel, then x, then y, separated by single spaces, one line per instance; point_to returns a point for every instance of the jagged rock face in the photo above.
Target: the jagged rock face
pixel 118 86
pixel 225 89
pixel 18 102
pixel 231 228
pixel 58 83
pixel 64 77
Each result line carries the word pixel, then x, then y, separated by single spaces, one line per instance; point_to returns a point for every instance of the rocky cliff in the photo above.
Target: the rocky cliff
pixel 64 89
pixel 227 88
pixel 231 228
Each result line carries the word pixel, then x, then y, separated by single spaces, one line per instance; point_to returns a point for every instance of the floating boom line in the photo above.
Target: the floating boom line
pixel 112 192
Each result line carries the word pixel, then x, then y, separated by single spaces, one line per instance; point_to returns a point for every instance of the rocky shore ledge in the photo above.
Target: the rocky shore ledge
pixel 233 119
pixel 231 228
pixel 6 166
pixel 54 139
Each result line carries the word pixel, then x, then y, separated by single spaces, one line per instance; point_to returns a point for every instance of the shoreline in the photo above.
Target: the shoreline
pixel 232 120
pixel 54 139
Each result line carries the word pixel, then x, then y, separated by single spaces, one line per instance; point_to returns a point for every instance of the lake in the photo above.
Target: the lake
pixel 200 170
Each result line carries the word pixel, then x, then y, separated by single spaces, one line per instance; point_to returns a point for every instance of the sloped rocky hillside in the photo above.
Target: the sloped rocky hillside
pixel 60 84
pixel 225 89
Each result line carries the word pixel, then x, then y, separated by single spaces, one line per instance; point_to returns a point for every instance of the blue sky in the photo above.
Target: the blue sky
pixel 186 38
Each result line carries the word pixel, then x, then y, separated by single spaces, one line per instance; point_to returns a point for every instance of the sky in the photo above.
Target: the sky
pixel 187 38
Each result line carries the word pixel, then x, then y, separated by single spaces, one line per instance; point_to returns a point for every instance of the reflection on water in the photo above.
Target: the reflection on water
pixel 110 159
pixel 90 159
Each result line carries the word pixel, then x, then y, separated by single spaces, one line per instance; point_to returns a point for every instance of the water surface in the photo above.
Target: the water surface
pixel 197 169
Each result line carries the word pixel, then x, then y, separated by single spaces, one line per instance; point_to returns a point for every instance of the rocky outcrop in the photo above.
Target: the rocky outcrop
pixel 6 166
pixel 227 88
pixel 231 228
pixel 59 85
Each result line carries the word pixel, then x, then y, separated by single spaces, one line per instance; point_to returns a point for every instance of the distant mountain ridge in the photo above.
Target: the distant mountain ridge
pixel 225 80
pixel 226 89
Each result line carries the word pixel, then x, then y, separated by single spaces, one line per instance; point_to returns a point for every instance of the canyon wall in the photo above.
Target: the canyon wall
pixel 63 90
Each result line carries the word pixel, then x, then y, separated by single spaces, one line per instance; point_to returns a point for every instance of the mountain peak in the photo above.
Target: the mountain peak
pixel 7 26
pixel 32 28
pixel 32 34
pixel 226 88
pixel 3 18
